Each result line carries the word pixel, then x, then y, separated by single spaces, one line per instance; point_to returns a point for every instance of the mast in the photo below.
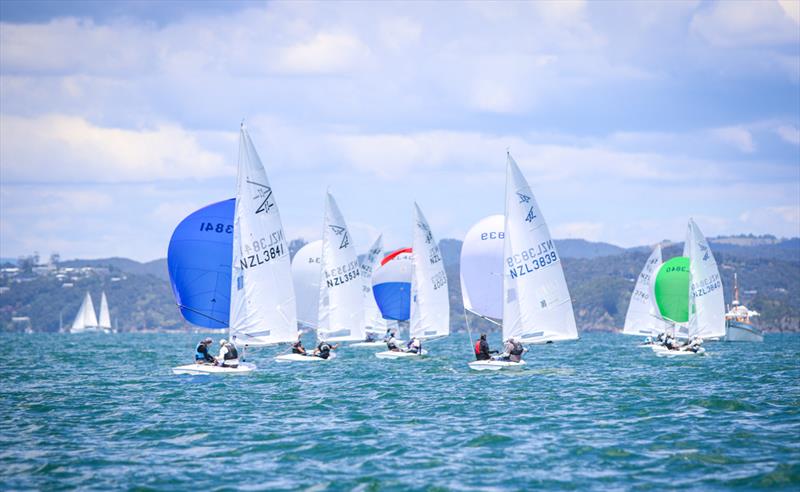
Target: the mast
pixel 735 289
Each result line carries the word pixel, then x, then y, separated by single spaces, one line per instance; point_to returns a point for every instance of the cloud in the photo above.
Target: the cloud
pixel 789 133
pixel 66 148
pixel 746 24
pixel 739 137
pixel 324 53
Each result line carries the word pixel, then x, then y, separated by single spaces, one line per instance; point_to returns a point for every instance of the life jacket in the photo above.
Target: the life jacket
pixel 200 354
pixel 478 347
pixel 518 349
pixel 232 353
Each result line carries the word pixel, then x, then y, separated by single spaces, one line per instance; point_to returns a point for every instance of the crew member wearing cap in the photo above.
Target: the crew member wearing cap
pixel 201 353
pixel 228 354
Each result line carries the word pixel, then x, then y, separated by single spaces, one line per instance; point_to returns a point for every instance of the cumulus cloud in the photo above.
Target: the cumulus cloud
pixel 747 23
pixel 66 148
pixel 789 133
pixel 739 137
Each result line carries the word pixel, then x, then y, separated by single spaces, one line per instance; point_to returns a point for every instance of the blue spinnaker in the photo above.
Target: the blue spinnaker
pixel 199 263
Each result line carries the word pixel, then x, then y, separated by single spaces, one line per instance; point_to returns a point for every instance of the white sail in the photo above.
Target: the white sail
pixel 706 302
pixel 373 320
pixel 643 317
pixel 430 299
pixel 537 306
pixel 86 319
pixel 262 294
pixel 306 271
pixel 482 267
pixel 105 317
pixel 341 296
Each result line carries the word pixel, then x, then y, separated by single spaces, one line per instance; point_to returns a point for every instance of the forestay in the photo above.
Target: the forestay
pixel 373 320
pixel 643 317
pixel 706 302
pixel 262 295
pixel 537 306
pixel 306 272
pixel 430 300
pixel 341 298
pixel 482 267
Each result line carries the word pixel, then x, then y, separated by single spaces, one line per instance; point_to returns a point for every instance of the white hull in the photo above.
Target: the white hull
pixel 495 365
pixel 398 355
pixel 663 351
pixel 301 358
pixel 742 332
pixel 369 344
pixel 204 369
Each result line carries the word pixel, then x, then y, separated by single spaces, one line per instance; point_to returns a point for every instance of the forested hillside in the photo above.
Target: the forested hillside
pixel 600 277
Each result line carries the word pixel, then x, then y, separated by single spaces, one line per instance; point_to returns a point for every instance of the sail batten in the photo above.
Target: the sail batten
pixel 263 310
pixel 536 303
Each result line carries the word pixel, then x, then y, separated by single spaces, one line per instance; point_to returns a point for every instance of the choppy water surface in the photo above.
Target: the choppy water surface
pixel 104 412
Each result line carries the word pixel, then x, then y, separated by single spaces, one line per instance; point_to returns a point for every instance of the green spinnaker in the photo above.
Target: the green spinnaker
pixel 672 289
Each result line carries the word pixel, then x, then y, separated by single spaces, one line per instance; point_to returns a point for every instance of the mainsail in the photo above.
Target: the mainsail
pixel 86 319
pixel 643 317
pixel 373 320
pixel 306 271
pixel 482 267
pixel 341 298
pixel 262 295
pixel 537 306
pixel 105 317
pixel 430 300
pixel 706 302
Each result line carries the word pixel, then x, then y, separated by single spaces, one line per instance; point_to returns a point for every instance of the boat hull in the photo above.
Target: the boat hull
pixel 736 331
pixel 301 358
pixel 663 351
pixel 495 365
pixel 388 354
pixel 370 345
pixel 208 370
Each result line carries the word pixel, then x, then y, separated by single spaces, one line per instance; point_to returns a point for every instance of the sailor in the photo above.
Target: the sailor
pixel 323 350
pixel 482 351
pixel 370 337
pixel 515 354
pixel 391 343
pixel 297 347
pixel 389 334
pixel 414 346
pixel 228 354
pixel 201 353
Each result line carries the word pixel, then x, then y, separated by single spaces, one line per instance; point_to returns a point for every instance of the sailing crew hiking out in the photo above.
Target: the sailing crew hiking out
pixel 201 353
pixel 414 346
pixel 324 349
pixel 297 348
pixel 391 343
pixel 513 351
pixel 228 354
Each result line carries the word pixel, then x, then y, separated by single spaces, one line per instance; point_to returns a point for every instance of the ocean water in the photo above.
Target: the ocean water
pixel 104 412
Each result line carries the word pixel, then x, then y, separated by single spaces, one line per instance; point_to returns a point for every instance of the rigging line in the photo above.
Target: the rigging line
pixel 203 314
pixel 490 320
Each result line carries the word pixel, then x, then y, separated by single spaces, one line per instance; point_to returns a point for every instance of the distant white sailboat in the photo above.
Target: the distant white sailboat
pixel 105 317
pixel 643 317
pixel 373 320
pixel 263 310
pixel 430 298
pixel 85 320
pixel 537 307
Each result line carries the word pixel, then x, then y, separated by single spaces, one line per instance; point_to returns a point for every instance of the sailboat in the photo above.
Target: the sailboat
pixel 85 320
pixel 104 322
pixel 706 303
pixel 643 317
pixel 374 323
pixel 537 307
pixel 430 299
pixel 340 315
pixel 262 301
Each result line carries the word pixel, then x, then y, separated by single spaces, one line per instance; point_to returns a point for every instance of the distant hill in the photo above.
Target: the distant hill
pixel 600 277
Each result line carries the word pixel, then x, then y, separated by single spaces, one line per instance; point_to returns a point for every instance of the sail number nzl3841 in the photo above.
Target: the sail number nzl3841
pixel 262 250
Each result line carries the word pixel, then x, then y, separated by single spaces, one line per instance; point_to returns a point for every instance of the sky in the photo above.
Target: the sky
pixel 118 119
